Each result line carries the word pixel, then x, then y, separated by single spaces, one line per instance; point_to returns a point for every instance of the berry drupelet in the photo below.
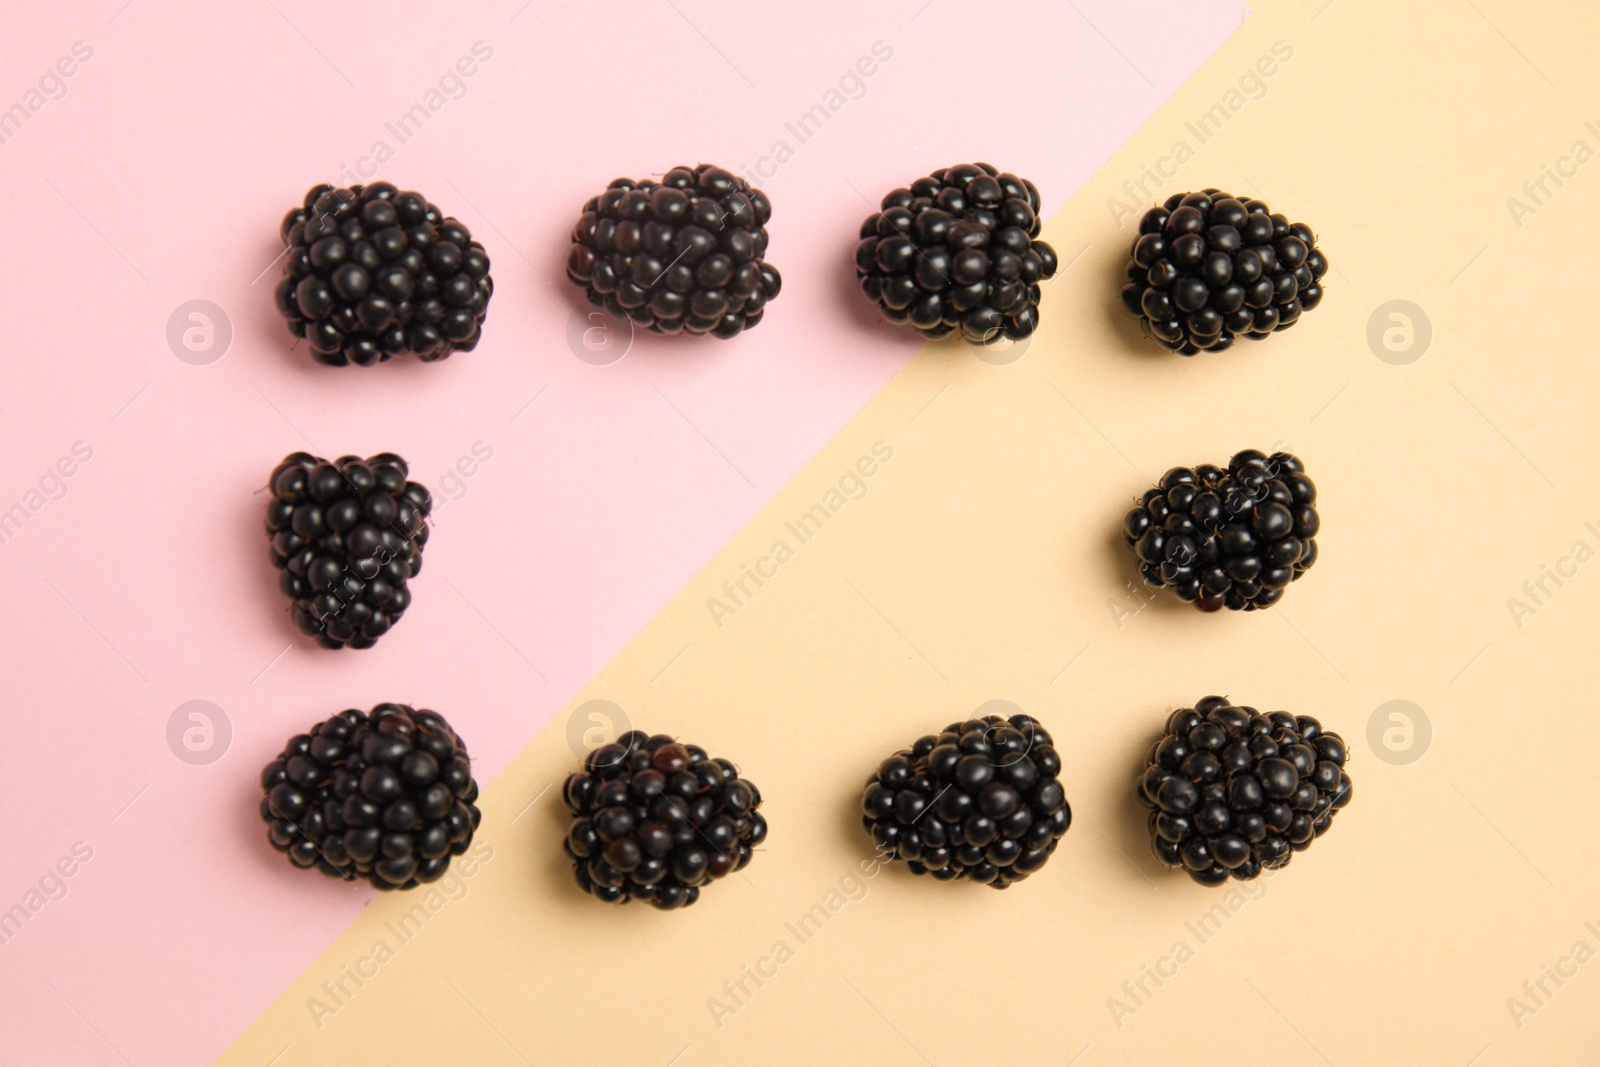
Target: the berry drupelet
pixel 1208 267
pixel 372 272
pixel 958 251
pixel 1233 791
pixel 346 537
pixel 682 255
pixel 386 798
pixel 1230 538
pixel 655 820
pixel 981 801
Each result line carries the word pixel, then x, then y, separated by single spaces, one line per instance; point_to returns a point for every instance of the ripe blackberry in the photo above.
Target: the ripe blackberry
pixel 682 255
pixel 1233 538
pixel 372 272
pixel 1233 791
pixel 958 251
pixel 655 820
pixel 979 801
pixel 1208 267
pixel 387 798
pixel 346 536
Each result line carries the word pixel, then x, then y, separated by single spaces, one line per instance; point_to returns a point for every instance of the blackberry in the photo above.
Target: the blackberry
pixel 958 250
pixel 372 272
pixel 1230 538
pixel 1233 791
pixel 386 798
pixel 1208 267
pixel 346 537
pixel 682 255
pixel 980 800
pixel 655 820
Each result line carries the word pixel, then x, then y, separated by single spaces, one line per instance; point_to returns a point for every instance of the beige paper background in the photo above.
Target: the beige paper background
pixel 982 564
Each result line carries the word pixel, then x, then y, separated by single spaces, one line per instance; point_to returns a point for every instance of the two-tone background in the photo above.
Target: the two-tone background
pixel 597 492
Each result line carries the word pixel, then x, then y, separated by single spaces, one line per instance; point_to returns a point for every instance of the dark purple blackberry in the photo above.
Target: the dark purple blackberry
pixel 1230 538
pixel 655 820
pixel 1208 267
pixel 958 251
pixel 372 272
pixel 979 801
pixel 346 537
pixel 1233 791
pixel 386 798
pixel 682 255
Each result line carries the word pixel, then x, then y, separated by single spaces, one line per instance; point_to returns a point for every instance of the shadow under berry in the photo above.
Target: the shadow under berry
pixel 264 321
pixel 1129 830
pixel 545 838
pixel 858 839
pixel 252 526
pixel 1125 565
pixel 863 313
pixel 1110 263
pixel 244 801
pixel 641 341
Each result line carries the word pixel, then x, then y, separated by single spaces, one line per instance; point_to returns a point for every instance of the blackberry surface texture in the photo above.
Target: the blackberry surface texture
pixel 958 251
pixel 372 272
pixel 657 821
pixel 1230 538
pixel 385 798
pixel 980 801
pixel 1233 792
pixel 346 537
pixel 682 255
pixel 1208 267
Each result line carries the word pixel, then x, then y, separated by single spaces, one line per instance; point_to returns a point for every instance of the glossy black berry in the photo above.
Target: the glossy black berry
pixel 386 798
pixel 682 255
pixel 1233 792
pixel 1230 538
pixel 981 800
pixel 1208 267
pixel 958 251
pixel 656 820
pixel 371 272
pixel 345 538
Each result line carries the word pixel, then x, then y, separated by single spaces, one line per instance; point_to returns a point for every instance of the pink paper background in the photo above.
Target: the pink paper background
pixel 159 177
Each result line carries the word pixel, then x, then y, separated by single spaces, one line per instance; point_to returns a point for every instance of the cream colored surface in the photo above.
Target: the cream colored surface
pixel 983 563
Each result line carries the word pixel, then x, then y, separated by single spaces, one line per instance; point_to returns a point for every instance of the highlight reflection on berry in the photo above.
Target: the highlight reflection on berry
pixel 386 798
pixel 981 800
pixel 1234 792
pixel 1208 267
pixel 657 821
